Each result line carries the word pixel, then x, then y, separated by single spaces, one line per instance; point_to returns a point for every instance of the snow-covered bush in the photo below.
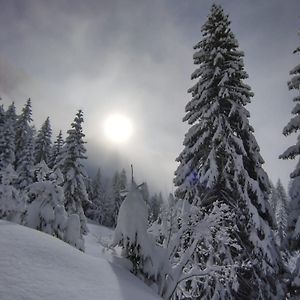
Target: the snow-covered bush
pixel 72 234
pixel 45 208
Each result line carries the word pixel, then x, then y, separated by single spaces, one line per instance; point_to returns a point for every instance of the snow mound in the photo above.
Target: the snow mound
pixel 38 266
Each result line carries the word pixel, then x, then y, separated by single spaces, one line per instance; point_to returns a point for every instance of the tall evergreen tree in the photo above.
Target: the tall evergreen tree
pixel 273 199
pixel 123 180
pixel 293 151
pixel 145 192
pixel 74 171
pixel 109 207
pixel 155 205
pixel 57 150
pixel 24 144
pixel 43 143
pixel 221 166
pixel 12 205
pixel 8 154
pixel 116 196
pixel 293 234
pixel 96 210
pixel 281 213
pixel 2 137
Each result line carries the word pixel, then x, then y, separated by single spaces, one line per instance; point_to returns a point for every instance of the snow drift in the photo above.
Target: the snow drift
pixel 37 266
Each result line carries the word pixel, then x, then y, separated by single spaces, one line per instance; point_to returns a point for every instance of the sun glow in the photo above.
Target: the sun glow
pixel 118 128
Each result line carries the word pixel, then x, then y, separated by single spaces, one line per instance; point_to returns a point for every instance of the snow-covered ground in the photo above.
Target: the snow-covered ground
pixel 35 266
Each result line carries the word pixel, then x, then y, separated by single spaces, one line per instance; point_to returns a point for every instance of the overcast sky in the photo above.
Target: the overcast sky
pixel 135 57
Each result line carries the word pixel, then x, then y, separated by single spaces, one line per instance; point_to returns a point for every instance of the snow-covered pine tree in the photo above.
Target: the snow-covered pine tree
pixel 293 127
pixel 11 114
pixel 292 238
pixel 24 144
pixel 131 234
pixel 88 187
pixel 74 171
pixel 281 213
pixel 168 222
pixel 11 203
pixel 145 192
pixel 155 204
pixel 43 144
pixel 7 155
pixel 123 180
pixel 116 197
pixel 109 206
pixel 57 150
pixel 96 210
pixel 2 136
pixel 119 184
pixel 45 207
pixel 273 199
pixel 41 172
pixel 45 204
pixel 293 234
pixel 221 165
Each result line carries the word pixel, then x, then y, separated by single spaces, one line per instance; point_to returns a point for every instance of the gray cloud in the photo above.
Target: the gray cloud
pixel 136 57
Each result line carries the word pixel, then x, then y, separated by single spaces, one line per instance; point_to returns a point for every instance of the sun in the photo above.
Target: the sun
pixel 118 128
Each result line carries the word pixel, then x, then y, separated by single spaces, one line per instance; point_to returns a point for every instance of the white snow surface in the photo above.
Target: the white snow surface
pixel 37 266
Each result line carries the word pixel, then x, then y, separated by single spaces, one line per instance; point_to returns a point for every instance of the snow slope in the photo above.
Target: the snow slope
pixel 35 266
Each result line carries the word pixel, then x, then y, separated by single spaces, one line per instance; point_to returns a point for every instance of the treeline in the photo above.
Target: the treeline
pixel 44 184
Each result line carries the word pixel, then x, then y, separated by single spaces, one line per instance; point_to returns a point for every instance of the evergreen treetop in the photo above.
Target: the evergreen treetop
pixel 57 150
pixel 43 143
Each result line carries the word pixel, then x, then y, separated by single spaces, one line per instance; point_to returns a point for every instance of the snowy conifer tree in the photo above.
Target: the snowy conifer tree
pixel 293 151
pixel 293 232
pixel 2 136
pixel 96 210
pixel 109 208
pixel 24 146
pixel 45 205
pixel 131 234
pixel 7 155
pixel 123 180
pixel 12 204
pixel 145 192
pixel 74 171
pixel 221 166
pixel 43 143
pixel 168 222
pixel 57 151
pixel 155 204
pixel 119 184
pixel 281 213
pixel 73 232
pixel 273 199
